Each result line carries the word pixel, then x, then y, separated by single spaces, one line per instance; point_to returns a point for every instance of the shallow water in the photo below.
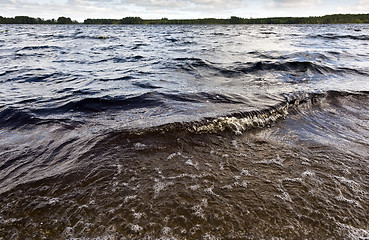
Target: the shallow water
pixel 184 132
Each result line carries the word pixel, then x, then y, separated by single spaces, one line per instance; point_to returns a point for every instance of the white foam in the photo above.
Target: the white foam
pixel 186 175
pixel 7 221
pixel 198 209
pixel 245 172
pixel 208 236
pixel 189 162
pixel 160 186
pixel 171 156
pixel 106 237
pixel 119 169
pixel 194 187
pixel 210 191
pixel 346 181
pixel 354 233
pixel 295 180
pixel 239 125
pixel 308 173
pixel 305 161
pixel 166 230
pixel 278 161
pixel 136 228
pixel 343 199
pixel 221 166
pixel 284 196
pixel 140 146
pixel 228 187
pixel 53 200
pixel 137 215
pixel 235 144
pixel 128 198
pixel 354 186
pixel 244 184
pixel 158 171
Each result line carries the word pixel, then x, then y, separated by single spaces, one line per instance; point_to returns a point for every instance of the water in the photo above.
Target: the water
pixel 184 132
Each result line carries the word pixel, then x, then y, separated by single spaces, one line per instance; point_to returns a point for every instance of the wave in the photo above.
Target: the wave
pixel 76 35
pixel 332 36
pixel 123 103
pixel 36 51
pixel 236 121
pixel 39 110
pixel 39 48
pixel 123 78
pixel 241 121
pixel 139 46
pixel 55 77
pixel 14 118
pixel 120 60
pixel 272 66
pixel 145 85
pixel 96 104
pixel 299 66
pixel 136 58
pixel 7 72
pixel 201 172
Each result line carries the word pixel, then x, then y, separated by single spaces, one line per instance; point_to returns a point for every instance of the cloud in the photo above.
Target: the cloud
pixel 82 9
pixel 76 9
pixel 5 2
pixel 293 3
pixel 363 6
pixel 155 4
pixel 187 4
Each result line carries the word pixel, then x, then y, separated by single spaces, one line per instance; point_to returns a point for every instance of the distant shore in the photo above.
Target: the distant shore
pixel 327 19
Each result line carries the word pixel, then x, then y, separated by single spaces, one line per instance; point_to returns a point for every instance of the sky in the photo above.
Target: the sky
pixel 177 9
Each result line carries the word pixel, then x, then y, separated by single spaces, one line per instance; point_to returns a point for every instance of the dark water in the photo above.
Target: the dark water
pixel 184 132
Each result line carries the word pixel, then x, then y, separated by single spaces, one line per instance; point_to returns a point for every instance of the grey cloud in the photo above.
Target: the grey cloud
pixel 157 3
pixel 293 3
pixel 79 9
pixel 363 5
pixel 187 4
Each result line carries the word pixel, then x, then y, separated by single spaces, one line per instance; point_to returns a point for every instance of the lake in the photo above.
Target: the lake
pixel 184 132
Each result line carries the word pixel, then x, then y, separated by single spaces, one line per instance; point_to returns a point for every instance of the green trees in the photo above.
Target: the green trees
pixel 31 20
pixel 101 21
pixel 328 19
pixel 64 20
pixel 131 20
pixel 235 20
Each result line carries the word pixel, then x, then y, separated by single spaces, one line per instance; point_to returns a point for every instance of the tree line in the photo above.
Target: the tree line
pixel 31 20
pixel 327 19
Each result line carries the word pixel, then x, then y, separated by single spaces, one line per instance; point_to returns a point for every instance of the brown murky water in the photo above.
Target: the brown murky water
pixel 294 180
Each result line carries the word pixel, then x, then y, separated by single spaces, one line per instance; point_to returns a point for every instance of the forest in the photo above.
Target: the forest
pixel 31 20
pixel 327 19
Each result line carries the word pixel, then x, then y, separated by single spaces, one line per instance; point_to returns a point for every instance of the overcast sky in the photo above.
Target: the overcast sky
pixel 176 9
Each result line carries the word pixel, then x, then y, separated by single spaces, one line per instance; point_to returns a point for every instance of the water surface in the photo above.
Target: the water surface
pixel 184 132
